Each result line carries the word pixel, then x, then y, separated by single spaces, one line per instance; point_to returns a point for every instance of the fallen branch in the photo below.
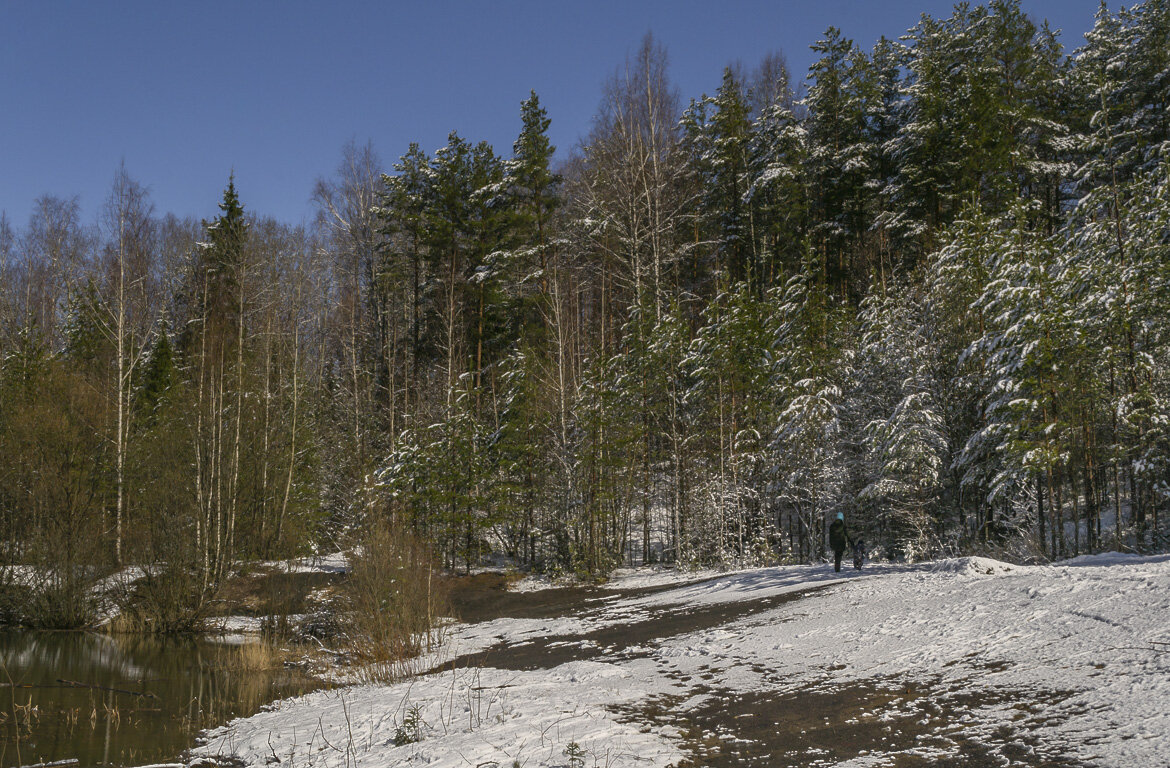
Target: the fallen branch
pixel 92 686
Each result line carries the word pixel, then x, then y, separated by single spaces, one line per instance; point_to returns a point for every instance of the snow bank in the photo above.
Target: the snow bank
pixel 975 566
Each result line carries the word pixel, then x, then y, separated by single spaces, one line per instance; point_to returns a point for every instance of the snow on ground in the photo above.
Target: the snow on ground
pixel 640 578
pixel 336 562
pixel 533 583
pixel 466 717
pixel 238 628
pixel 979 625
pixel 1093 630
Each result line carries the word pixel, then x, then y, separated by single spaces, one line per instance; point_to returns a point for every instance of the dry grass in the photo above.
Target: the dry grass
pixel 255 655
pixel 124 624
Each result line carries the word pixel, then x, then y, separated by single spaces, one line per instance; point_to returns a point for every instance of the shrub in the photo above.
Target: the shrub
pixel 166 599
pixel 392 598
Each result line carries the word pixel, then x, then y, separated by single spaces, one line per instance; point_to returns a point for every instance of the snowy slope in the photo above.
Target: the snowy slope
pixel 1073 654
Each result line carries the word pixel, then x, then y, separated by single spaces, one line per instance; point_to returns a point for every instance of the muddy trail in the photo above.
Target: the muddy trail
pixel 920 724
pixel 487 600
pixel 485 596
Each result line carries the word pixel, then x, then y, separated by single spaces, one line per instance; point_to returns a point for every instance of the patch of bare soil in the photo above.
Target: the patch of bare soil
pixel 485 596
pixel 270 592
pixel 913 725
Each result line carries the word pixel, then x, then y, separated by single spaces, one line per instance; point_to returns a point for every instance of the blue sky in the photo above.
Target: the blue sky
pixel 187 92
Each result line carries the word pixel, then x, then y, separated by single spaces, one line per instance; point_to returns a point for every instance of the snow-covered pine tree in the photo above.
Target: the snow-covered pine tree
pixel 607 454
pixel 777 190
pixel 955 278
pixel 1122 81
pixel 524 483
pixel 893 400
pixel 530 192
pixel 1026 345
pixel 806 455
pixel 403 266
pixel 726 218
pixel 730 397
pixel 1117 248
pixel 837 159
pixel 983 124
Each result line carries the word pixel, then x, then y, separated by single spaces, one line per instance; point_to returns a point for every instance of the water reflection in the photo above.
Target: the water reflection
pixel 121 700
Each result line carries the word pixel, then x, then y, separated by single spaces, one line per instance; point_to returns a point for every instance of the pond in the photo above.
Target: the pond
pixel 123 700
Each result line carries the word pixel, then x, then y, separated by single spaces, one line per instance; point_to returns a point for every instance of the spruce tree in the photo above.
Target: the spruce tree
pixel 159 374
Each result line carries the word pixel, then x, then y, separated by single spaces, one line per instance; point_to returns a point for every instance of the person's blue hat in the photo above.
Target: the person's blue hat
pixel 840 515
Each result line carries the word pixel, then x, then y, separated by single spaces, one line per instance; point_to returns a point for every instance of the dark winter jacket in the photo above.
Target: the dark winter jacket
pixel 838 536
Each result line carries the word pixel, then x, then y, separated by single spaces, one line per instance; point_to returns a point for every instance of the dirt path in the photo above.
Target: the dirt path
pixel 616 641
pixel 810 727
pixel 485 596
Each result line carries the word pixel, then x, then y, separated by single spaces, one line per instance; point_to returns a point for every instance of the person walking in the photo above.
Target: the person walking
pixel 839 540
